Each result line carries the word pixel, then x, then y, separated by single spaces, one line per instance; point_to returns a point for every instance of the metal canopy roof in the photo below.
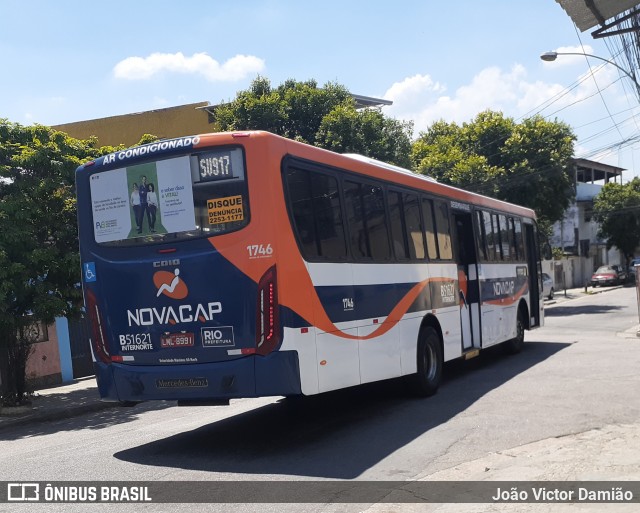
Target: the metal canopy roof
pixel 589 13
pixel 361 102
pixel 368 101
pixel 589 171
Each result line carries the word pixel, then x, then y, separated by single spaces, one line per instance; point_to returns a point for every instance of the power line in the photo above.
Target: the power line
pixel 491 183
pixel 596 83
pixel 579 100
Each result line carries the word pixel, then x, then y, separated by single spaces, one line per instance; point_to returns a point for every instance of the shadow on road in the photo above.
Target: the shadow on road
pixel 337 435
pixel 590 309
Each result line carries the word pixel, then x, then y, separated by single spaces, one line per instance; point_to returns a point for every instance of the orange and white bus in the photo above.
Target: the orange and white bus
pixel 245 264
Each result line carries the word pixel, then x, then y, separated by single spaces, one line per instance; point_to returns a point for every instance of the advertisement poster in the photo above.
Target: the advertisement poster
pixel 143 200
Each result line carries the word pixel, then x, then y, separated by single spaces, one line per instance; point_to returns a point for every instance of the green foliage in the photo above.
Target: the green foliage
pixel 294 109
pixel 39 262
pixel 368 132
pixel 440 154
pixel 617 209
pixel 537 157
pixel 525 163
pixel 455 154
pixel 324 116
pixel 145 139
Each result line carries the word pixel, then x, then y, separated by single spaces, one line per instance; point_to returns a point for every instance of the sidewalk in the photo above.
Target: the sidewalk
pixel 560 296
pixel 63 401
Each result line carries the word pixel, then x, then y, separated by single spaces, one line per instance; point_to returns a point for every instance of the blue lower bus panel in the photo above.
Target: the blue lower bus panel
pixel 252 376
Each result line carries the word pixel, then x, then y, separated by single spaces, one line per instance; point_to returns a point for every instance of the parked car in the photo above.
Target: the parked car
pixel 632 269
pixel 547 286
pixel 605 275
pixel 623 276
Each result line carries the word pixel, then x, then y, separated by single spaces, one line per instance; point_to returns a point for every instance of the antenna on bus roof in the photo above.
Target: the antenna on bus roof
pixel 385 165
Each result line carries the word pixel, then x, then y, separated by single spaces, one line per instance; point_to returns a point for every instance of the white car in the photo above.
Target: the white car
pixel 547 286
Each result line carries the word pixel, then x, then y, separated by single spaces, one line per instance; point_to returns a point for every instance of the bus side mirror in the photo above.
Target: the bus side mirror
pixel 546 251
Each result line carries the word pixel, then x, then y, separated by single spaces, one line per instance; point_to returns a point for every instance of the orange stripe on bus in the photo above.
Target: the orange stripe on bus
pixel 270 222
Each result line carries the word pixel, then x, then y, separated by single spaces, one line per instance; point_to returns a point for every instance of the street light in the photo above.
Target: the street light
pixel 552 56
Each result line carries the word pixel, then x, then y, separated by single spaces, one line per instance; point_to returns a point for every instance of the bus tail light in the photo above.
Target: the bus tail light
pixel 98 338
pixel 267 321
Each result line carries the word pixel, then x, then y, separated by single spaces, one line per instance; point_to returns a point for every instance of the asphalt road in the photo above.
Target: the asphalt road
pixel 579 372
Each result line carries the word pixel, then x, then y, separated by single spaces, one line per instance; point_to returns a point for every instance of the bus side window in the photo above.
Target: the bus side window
pixel 491 237
pixel 367 221
pixel 443 229
pixel 504 238
pixel 519 239
pixel 317 216
pixel 376 222
pixel 299 196
pixel 328 216
pixel 495 228
pixel 415 233
pixel 482 238
pixel 355 220
pixel 512 239
pixel 429 229
pixel 397 221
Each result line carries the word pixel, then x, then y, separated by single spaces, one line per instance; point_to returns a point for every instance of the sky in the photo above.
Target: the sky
pixel 64 61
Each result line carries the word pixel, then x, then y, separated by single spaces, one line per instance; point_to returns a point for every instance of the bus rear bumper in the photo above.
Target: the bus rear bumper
pixel 252 376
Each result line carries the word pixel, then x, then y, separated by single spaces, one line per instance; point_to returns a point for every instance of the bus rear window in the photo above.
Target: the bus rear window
pixel 198 195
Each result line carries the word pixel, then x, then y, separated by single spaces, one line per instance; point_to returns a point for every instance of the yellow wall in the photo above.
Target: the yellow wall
pixel 129 128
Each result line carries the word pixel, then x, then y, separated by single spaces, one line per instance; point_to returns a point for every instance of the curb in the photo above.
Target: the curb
pixel 36 416
pixel 577 293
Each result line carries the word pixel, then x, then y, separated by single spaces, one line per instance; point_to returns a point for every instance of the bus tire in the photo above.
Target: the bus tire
pixel 516 344
pixel 429 354
pixel 128 404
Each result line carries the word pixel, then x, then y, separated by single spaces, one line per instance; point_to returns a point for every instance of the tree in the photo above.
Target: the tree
pixel 446 153
pixel 294 109
pixel 525 163
pixel 368 132
pixel 537 159
pixel 38 242
pixel 617 209
pixel 323 116
pixel 39 262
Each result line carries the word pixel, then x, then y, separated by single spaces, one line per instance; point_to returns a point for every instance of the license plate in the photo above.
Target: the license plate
pixel 177 339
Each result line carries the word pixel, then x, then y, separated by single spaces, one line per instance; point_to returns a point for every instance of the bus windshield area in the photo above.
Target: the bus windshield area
pixel 198 195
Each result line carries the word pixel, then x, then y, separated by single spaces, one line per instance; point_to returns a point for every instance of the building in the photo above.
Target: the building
pixel 577 233
pixel 50 362
pixel 189 119
pixel 128 129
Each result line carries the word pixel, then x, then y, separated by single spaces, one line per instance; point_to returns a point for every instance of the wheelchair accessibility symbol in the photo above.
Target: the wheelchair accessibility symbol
pixel 90 272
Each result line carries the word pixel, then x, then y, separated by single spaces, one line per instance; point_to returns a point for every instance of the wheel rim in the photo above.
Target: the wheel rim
pixel 430 363
pixel 520 331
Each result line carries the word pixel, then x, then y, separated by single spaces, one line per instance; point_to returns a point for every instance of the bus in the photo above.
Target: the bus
pixel 244 264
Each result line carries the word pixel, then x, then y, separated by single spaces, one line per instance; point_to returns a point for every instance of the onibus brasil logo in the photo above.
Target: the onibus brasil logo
pixel 171 285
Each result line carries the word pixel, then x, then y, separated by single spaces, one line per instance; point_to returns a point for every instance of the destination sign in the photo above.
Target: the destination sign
pixel 215 165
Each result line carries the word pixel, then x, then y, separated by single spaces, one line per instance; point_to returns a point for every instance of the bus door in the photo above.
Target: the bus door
pixel 469 291
pixel 535 274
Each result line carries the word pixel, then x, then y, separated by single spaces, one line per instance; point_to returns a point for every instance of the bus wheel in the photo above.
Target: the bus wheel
pixel 128 404
pixel 426 381
pixel 515 345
